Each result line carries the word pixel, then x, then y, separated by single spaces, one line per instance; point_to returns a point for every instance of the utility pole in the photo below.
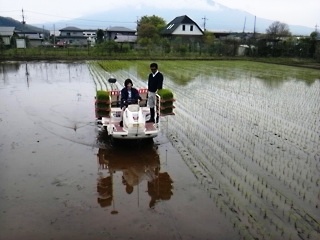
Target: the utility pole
pixel 54 35
pixel 137 22
pixel 254 28
pixel 24 31
pixel 23 22
pixel 244 25
pixel 204 22
pixel 316 28
pixel 42 37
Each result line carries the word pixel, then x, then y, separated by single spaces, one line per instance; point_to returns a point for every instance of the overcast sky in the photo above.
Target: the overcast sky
pixel 295 12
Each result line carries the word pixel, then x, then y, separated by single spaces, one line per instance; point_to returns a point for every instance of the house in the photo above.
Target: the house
pixel 91 35
pixel 72 36
pixel 183 27
pixel 34 34
pixel 35 38
pixel 121 35
pixel 6 34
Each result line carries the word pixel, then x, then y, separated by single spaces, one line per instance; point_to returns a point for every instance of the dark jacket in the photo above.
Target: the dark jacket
pixel 155 82
pixel 125 97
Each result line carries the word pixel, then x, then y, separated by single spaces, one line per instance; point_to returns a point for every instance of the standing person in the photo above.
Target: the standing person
pixel 129 95
pixel 155 82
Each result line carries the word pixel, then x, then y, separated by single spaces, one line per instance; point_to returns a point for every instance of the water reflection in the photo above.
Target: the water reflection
pixel 136 166
pixel 6 69
pixel 9 67
pixel 27 74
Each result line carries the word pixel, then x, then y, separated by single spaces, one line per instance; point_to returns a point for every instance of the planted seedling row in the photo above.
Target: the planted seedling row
pixel 223 132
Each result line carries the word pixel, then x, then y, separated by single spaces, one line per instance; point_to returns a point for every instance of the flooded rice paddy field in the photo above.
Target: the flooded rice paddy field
pixel 239 160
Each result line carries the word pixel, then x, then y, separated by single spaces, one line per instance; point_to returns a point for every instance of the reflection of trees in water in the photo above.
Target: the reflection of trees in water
pixel 136 165
pixel 9 67
pixel 6 68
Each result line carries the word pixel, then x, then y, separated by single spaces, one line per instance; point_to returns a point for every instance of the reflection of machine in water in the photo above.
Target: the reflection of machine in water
pixel 136 165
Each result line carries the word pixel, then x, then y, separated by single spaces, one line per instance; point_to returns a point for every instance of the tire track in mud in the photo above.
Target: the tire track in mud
pixel 244 182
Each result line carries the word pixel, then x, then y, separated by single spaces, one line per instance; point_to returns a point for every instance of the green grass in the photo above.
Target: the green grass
pixel 182 72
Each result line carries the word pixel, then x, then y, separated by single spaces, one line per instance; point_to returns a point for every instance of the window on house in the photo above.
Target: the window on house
pixel 183 27
pixel 191 28
pixel 170 26
pixel 68 34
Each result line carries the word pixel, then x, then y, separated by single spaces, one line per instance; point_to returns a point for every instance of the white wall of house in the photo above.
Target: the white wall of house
pixel 36 43
pixel 6 40
pixel 73 41
pixel 6 33
pixel 35 39
pixel 91 37
pixel 71 34
pixel 187 29
pixel 34 36
pixel 91 41
pixel 125 38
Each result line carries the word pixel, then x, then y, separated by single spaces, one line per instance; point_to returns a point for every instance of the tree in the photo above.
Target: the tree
pixel 100 36
pixel 313 43
pixel 150 27
pixel 148 31
pixel 275 34
pixel 107 47
pixel 208 41
pixel 277 30
pixel 2 46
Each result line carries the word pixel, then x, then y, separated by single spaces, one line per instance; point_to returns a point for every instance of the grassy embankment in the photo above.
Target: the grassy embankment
pixel 83 54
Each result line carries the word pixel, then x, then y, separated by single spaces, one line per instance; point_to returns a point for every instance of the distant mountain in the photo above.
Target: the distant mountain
pixel 10 22
pixel 223 19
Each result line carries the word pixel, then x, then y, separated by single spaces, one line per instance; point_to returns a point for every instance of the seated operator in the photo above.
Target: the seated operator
pixel 129 95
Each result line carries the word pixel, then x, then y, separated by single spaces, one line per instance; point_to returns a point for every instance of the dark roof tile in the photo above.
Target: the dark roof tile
pixel 172 26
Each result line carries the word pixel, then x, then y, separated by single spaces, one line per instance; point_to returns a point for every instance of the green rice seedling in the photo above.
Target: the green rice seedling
pixel 102 95
pixel 102 103
pixel 165 94
pixel 166 101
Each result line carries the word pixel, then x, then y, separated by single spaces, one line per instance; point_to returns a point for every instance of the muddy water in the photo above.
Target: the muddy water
pixel 249 133
pixel 254 144
pixel 60 180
